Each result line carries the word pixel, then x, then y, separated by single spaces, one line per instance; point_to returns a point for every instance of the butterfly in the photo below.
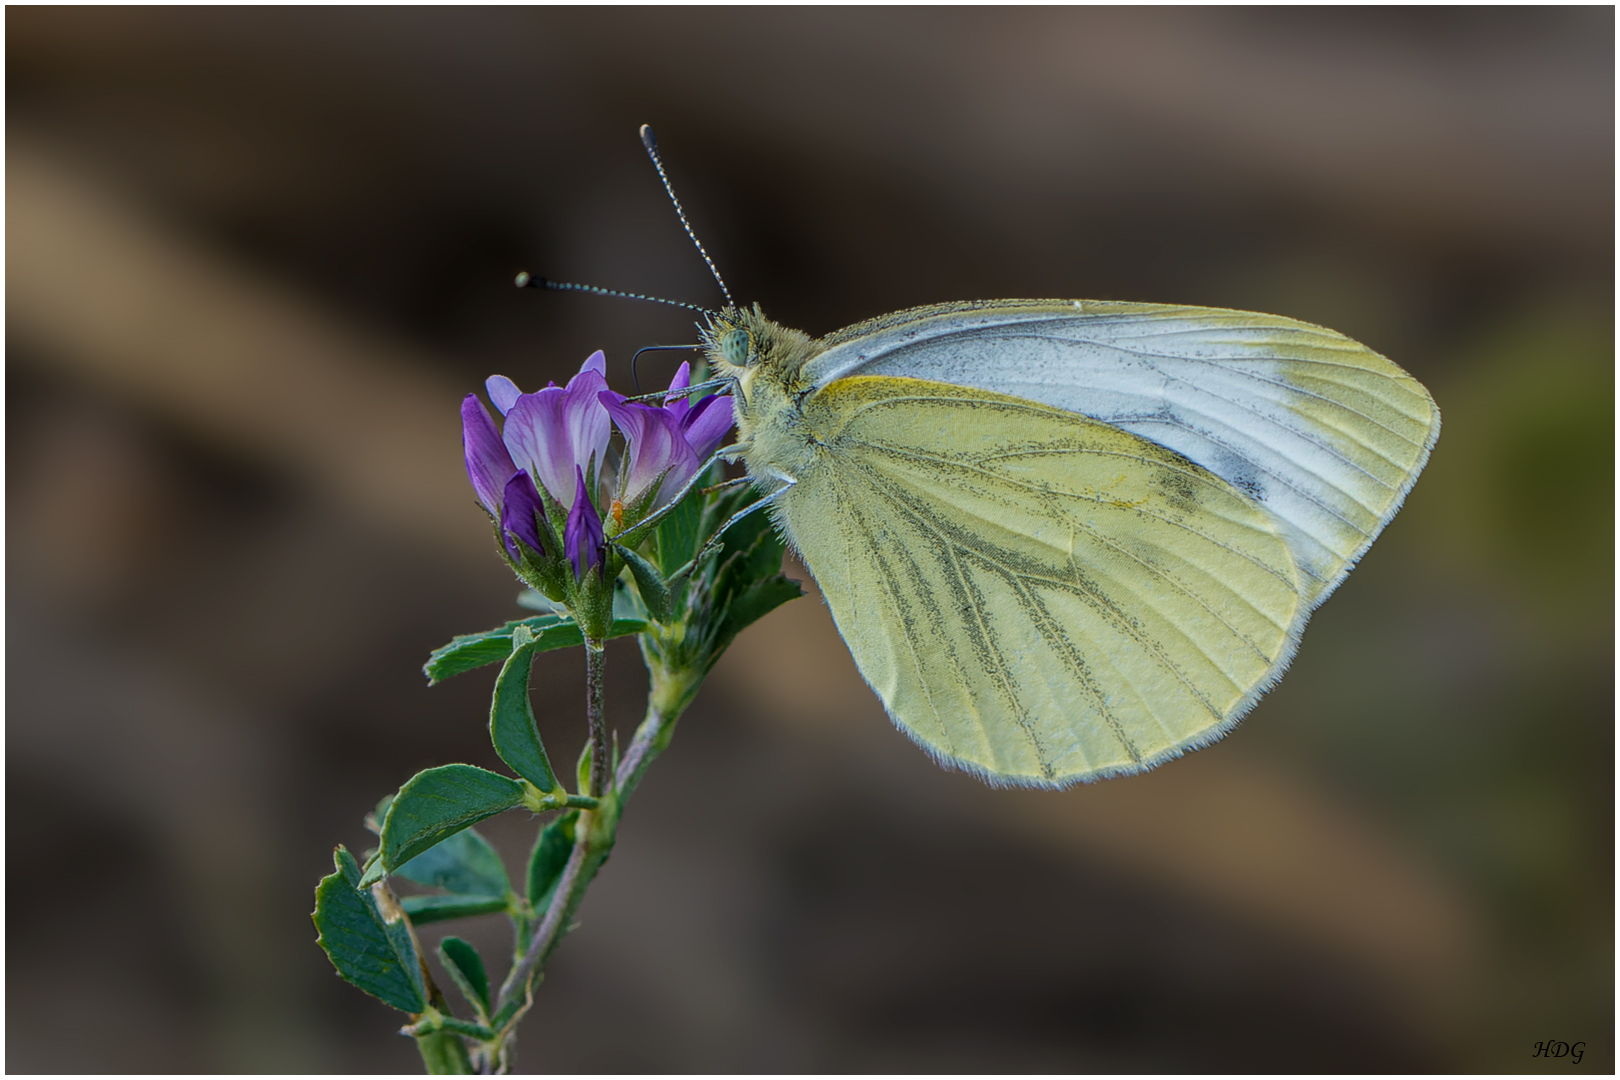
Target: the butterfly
pixel 1067 540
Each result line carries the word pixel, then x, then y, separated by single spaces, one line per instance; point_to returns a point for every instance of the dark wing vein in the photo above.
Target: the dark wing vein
pixel 1094 598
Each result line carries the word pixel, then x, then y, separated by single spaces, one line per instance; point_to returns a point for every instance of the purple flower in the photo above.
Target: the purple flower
pixel 666 445
pixel 489 466
pixel 582 537
pixel 552 432
pixel 521 504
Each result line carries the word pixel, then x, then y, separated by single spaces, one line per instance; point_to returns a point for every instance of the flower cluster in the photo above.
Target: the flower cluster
pixel 541 472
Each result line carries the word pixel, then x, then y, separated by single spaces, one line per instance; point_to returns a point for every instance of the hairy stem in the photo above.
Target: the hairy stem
pixel 593 837
pixel 650 740
pixel 600 762
pixel 595 831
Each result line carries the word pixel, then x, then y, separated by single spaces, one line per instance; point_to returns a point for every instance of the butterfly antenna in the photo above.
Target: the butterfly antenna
pixel 652 348
pixel 651 144
pixel 526 280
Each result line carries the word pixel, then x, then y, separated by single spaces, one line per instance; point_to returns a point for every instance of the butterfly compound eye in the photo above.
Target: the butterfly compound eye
pixel 737 347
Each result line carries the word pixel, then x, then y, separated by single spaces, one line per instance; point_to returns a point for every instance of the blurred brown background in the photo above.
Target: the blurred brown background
pixel 254 259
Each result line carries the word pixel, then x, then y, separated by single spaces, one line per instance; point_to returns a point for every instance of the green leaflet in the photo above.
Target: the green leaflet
pixel 369 951
pixel 437 803
pixel 748 583
pixel 432 909
pixel 466 967
pixel 549 857
pixel 511 716
pixel 752 604
pixel 469 651
pixel 464 863
pixel 679 535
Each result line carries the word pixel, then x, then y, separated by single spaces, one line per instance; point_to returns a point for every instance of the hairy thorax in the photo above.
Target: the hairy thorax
pixel 780 440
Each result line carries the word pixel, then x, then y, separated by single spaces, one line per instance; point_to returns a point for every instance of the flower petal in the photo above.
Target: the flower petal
pixel 537 436
pixel 521 504
pixel 707 424
pixel 489 466
pixel 582 536
pixel 654 448
pixel 502 393
pixel 586 420
pixel 678 404
pixel 551 431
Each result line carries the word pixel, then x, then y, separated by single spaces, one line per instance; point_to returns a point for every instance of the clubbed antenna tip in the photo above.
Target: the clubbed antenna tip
pixel 651 144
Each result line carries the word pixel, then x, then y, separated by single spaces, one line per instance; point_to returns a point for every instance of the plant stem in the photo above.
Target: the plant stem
pixel 593 838
pixel 444 1052
pixel 651 738
pixel 595 718
pixel 595 831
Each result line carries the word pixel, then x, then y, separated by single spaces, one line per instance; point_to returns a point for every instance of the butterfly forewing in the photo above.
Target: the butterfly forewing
pixel 1322 433
pixel 1037 596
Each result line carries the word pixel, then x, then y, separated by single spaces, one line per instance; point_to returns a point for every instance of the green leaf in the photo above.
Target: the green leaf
pixel 582 770
pixel 679 534
pixel 466 967
pixel 368 950
pixel 511 717
pixel 374 820
pixel 535 600
pixel 650 583
pixel 465 863
pixel 469 651
pixel 549 857
pixel 750 583
pixel 432 909
pixel 439 803
pixel 754 603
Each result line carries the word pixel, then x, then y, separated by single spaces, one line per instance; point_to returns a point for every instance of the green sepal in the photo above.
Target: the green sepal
pixel 464 863
pixel 546 862
pixel 545 574
pixel 436 804
pixel 466 967
pixel 432 909
pixel 511 717
pixel 649 583
pixel 369 951
pixel 469 651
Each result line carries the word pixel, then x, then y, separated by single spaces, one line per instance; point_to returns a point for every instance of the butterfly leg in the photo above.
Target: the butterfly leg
pixel 640 529
pixel 735 481
pixel 714 541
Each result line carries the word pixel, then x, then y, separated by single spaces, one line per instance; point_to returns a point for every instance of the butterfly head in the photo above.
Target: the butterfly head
pixel 741 341
pixel 760 357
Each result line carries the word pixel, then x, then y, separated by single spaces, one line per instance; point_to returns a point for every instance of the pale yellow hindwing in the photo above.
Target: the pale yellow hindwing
pixel 1036 596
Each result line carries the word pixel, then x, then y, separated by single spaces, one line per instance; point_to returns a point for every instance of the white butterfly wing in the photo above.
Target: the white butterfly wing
pixel 1323 433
